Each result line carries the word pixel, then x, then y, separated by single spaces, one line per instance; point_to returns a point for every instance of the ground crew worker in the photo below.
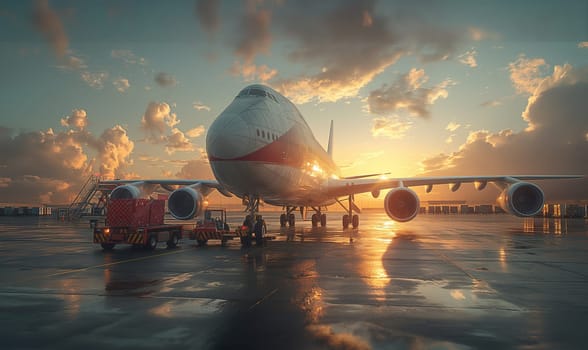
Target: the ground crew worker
pixel 248 226
pixel 259 230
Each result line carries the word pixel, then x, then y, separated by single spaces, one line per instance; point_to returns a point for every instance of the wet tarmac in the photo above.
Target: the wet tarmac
pixel 438 282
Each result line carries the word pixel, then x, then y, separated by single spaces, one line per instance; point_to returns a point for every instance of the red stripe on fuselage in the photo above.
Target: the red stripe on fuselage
pixel 288 150
pixel 282 151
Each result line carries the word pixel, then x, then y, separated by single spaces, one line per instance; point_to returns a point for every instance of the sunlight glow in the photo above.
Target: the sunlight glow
pixel 502 258
pixel 371 265
pixel 457 295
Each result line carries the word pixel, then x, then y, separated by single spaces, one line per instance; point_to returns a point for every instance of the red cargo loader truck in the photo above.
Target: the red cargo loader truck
pixel 139 222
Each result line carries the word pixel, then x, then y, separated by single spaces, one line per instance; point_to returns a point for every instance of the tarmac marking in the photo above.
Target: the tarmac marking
pixel 456 265
pixel 554 266
pixel 267 296
pixel 114 263
pixel 101 265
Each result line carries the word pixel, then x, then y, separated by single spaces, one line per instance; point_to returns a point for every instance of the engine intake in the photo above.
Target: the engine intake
pixel 126 192
pixel 185 203
pixel 402 204
pixel 522 199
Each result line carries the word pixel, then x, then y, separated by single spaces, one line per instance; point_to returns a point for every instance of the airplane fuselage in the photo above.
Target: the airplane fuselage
pixel 260 146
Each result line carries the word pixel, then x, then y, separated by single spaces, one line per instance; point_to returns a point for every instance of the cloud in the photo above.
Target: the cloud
pixel 199 106
pixel 479 34
pixel 583 45
pixel 195 169
pixel 526 74
pixel 159 122
pixel 121 85
pixel 390 127
pixel 44 154
pixel 165 80
pixel 78 119
pixel 253 38
pixel 157 118
pixel 95 80
pixel 114 150
pixel 196 132
pixel 207 13
pixel 50 167
pixel 128 57
pixel 562 75
pixel 49 24
pixel 348 44
pixel 251 72
pixel 491 103
pixel 469 58
pixel 177 141
pixel 71 62
pixel 407 93
pixel 452 126
pixel 555 144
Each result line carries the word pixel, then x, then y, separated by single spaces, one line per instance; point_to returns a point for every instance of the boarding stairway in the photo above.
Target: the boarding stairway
pixel 92 194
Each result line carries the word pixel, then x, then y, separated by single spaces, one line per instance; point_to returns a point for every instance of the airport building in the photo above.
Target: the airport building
pixel 554 210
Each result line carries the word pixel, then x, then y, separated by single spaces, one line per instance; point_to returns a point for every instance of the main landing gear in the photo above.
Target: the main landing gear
pixel 350 218
pixel 319 218
pixel 288 218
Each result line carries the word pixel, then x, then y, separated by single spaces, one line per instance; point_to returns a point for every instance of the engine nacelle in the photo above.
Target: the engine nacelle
pixel 402 204
pixel 127 192
pixel 185 203
pixel 522 199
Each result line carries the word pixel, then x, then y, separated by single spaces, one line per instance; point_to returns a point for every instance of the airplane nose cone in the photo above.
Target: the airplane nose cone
pixel 228 137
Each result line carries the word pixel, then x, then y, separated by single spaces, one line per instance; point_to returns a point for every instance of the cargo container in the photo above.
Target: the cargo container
pixel 139 222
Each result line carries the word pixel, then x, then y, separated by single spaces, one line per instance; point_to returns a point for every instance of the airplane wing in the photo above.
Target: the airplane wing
pixel 352 185
pixel 168 184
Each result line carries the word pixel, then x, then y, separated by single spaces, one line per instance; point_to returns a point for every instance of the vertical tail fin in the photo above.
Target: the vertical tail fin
pixel 330 145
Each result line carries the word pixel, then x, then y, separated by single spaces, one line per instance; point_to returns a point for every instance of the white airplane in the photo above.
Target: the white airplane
pixel 261 149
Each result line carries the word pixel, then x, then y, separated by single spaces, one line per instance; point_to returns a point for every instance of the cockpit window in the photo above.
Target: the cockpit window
pixel 257 92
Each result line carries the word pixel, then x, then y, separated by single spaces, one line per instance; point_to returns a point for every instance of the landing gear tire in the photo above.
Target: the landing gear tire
pixel 323 220
pixel 283 220
pixel 345 221
pixel 355 221
pixel 291 220
pixel 173 240
pixel 152 242
pixel 315 220
pixel 107 246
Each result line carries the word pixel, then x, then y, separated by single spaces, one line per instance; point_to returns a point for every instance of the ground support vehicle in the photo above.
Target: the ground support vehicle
pixel 212 226
pixel 139 222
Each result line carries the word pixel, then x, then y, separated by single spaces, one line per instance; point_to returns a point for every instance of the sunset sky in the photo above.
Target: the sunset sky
pixel 129 88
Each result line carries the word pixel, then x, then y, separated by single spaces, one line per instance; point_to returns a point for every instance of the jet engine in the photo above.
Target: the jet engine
pixel 522 199
pixel 185 203
pixel 402 204
pixel 129 191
